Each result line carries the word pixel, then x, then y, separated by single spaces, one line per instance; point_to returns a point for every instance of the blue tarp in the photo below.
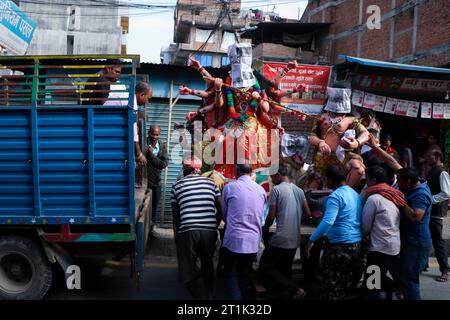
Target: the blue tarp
pixel 391 65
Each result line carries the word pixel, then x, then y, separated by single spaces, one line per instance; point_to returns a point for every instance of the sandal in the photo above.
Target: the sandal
pixel 444 277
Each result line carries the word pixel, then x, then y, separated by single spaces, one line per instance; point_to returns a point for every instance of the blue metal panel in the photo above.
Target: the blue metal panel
pixel 64 197
pixel 112 161
pixel 16 175
pixel 391 65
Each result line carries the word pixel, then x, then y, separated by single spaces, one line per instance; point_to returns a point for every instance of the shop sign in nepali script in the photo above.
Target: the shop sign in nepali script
pixel 16 29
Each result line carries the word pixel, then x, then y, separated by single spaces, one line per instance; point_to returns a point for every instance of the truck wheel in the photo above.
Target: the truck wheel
pixel 25 272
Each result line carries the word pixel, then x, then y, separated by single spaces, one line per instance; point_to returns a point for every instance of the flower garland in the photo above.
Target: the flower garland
pixel 249 110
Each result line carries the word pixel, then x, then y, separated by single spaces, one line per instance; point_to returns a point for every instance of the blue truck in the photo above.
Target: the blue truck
pixel 67 169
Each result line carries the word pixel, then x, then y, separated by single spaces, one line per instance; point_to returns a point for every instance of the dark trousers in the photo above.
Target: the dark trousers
pixel 342 267
pixel 275 268
pixel 156 196
pixel 439 245
pixel 311 264
pixel 192 246
pixel 237 268
pixel 412 262
pixel 385 263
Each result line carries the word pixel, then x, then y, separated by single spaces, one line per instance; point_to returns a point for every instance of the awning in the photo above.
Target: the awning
pixel 392 65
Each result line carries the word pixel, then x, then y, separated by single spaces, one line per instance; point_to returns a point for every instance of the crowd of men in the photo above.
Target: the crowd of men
pixel 375 241
pixel 385 228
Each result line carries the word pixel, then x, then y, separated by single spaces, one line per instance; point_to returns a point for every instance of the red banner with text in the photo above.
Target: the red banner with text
pixel 314 77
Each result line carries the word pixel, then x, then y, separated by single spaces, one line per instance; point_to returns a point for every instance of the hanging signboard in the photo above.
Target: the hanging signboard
pixel 314 77
pixel 16 29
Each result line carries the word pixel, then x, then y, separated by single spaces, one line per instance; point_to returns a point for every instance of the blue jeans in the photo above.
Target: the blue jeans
pixel 237 267
pixel 412 261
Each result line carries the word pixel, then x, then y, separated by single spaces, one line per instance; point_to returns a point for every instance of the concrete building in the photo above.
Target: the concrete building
pixel 193 22
pixel 410 31
pixel 285 41
pixel 89 27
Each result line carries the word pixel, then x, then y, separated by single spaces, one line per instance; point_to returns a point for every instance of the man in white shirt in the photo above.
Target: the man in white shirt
pixel 381 223
pixel 118 96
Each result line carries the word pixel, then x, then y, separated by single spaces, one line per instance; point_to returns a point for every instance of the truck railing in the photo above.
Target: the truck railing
pixel 66 80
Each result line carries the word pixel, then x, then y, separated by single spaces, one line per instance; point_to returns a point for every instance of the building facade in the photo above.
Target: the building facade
pixel 194 21
pixel 89 27
pixel 410 31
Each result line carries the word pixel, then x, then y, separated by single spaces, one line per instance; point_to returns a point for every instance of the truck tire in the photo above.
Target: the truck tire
pixel 25 272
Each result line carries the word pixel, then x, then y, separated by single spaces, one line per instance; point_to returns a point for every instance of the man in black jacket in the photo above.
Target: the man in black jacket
pixel 439 183
pixel 157 160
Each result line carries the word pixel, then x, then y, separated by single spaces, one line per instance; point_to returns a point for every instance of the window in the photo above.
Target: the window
pixel 204 59
pixel 70 42
pixel 73 18
pixel 201 35
pixel 224 61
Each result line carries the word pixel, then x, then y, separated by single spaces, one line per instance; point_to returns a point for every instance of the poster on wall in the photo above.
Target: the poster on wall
pixel 413 109
pixel 314 77
pixel 369 101
pixel 447 111
pixel 380 101
pixel 426 110
pixel 402 107
pixel 390 106
pixel 438 110
pixel 357 98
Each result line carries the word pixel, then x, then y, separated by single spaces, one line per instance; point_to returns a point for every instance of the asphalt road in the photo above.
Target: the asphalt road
pixel 159 282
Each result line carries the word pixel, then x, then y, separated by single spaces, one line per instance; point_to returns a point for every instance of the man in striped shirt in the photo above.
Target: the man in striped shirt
pixel 195 200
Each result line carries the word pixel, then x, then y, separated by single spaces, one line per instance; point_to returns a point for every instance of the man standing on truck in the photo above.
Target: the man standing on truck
pixel 195 200
pixel 157 160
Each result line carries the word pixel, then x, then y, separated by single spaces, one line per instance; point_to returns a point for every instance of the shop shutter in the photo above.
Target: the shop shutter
pixel 157 113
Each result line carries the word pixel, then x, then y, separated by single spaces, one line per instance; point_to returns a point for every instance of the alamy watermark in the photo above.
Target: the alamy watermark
pixel 228 146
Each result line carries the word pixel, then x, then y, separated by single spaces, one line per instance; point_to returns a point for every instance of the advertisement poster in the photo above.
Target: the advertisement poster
pixel 369 101
pixel 413 109
pixel 402 107
pixel 447 111
pixel 391 105
pixel 357 98
pixel 438 110
pixel 314 77
pixel 380 101
pixel 426 110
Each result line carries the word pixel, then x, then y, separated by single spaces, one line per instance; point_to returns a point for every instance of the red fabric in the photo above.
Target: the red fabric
pixel 388 192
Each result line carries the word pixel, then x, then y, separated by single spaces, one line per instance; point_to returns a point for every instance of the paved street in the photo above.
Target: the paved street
pixel 159 282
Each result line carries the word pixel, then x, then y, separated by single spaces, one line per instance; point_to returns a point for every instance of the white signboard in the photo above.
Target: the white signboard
pixel 16 29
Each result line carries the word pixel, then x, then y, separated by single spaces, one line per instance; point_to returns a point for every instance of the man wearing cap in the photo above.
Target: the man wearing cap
pixel 196 210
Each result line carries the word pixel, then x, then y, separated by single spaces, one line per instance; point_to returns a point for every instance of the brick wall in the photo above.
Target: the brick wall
pixel 433 30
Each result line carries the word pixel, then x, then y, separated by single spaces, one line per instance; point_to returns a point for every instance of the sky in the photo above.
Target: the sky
pixel 149 31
